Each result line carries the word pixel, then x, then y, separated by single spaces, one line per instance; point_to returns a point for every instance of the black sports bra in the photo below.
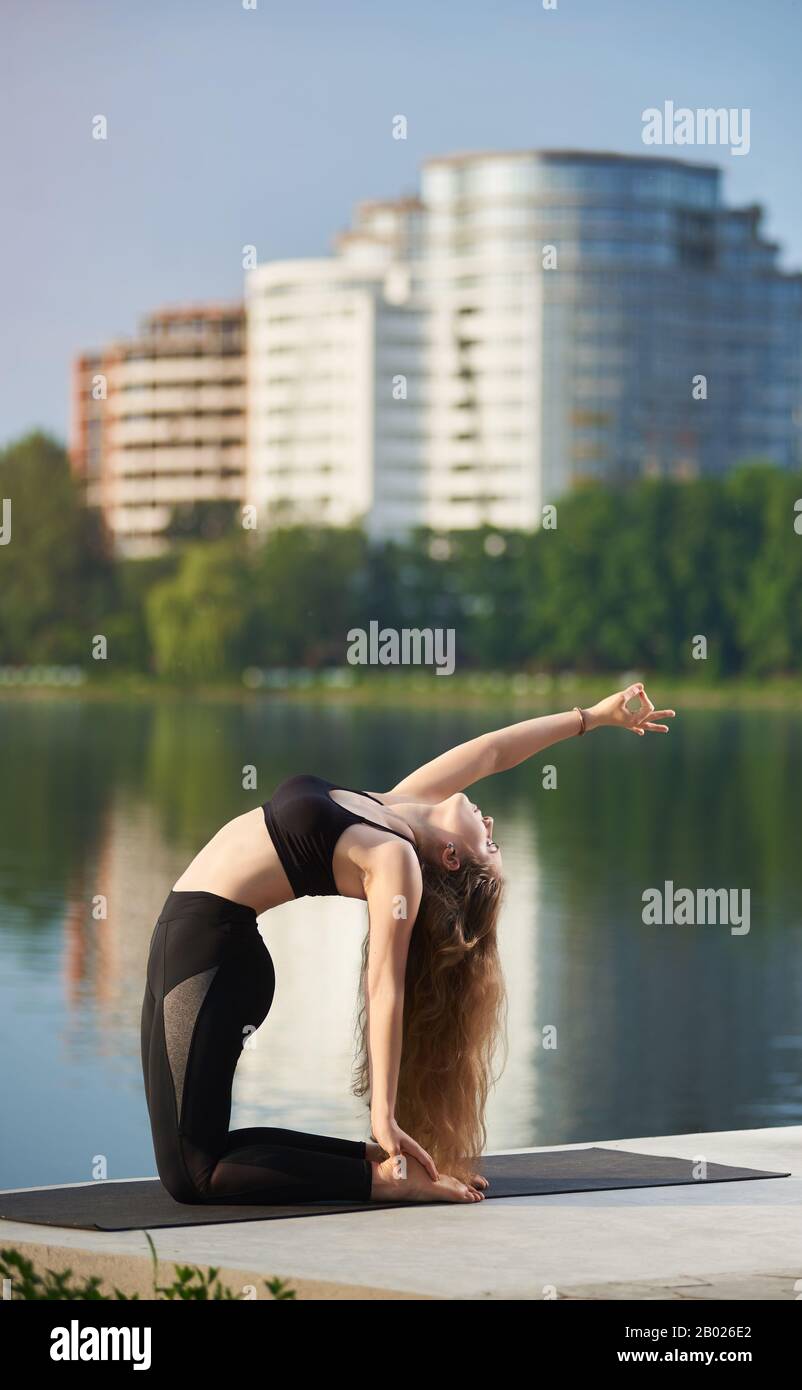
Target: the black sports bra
pixel 305 823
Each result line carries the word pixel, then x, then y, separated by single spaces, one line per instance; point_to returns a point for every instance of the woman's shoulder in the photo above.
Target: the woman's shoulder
pixel 393 865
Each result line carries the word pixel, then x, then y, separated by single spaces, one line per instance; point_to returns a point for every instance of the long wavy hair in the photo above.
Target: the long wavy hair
pixel 455 1016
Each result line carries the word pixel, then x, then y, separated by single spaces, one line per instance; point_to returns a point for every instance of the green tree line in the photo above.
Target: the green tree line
pixel 628 577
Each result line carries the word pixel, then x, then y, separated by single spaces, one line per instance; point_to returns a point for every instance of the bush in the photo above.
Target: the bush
pixel 190 1283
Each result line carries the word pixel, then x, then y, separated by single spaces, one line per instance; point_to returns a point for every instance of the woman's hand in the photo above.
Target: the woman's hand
pixel 613 713
pixel 394 1141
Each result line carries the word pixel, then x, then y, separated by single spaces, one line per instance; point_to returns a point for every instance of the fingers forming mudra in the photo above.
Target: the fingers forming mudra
pixel 644 718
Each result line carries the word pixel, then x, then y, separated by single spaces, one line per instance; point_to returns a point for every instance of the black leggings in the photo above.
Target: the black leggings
pixel 210 983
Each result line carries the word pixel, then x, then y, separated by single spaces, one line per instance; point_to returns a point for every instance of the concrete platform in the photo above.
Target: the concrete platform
pixel 723 1241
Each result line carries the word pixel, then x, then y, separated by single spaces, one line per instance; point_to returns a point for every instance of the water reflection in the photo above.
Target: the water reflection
pixel 658 1029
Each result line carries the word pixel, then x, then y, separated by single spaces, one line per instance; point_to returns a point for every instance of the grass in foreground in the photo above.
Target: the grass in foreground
pixel 190 1283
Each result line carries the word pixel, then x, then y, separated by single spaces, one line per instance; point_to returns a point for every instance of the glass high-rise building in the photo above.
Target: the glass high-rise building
pixel 533 320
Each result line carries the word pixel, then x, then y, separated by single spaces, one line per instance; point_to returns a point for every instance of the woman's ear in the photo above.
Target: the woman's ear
pixel 450 856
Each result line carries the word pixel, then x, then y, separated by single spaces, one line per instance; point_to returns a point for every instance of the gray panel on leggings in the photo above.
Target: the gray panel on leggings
pixel 181 1008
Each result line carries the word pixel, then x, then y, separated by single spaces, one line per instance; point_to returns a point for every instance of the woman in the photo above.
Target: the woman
pixel 424 859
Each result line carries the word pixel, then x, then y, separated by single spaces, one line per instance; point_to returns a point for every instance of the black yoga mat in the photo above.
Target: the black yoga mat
pixel 145 1205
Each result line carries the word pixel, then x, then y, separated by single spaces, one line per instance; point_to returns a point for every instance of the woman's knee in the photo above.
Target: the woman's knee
pixel 187 1183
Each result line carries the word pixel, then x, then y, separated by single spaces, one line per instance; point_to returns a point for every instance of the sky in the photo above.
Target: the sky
pixel 230 126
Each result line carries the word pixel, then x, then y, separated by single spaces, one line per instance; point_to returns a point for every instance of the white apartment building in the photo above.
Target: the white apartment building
pixel 324 339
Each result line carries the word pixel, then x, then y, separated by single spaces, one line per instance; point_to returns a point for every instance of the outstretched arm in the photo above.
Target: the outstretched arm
pixel 502 749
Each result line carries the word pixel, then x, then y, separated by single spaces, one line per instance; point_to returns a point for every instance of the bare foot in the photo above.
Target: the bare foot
pixel 417 1186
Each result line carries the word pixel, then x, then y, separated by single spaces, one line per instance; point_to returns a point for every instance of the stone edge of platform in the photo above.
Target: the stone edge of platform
pixel 133 1274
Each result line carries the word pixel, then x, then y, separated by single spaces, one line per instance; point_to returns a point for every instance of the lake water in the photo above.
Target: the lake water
pixel 659 1028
